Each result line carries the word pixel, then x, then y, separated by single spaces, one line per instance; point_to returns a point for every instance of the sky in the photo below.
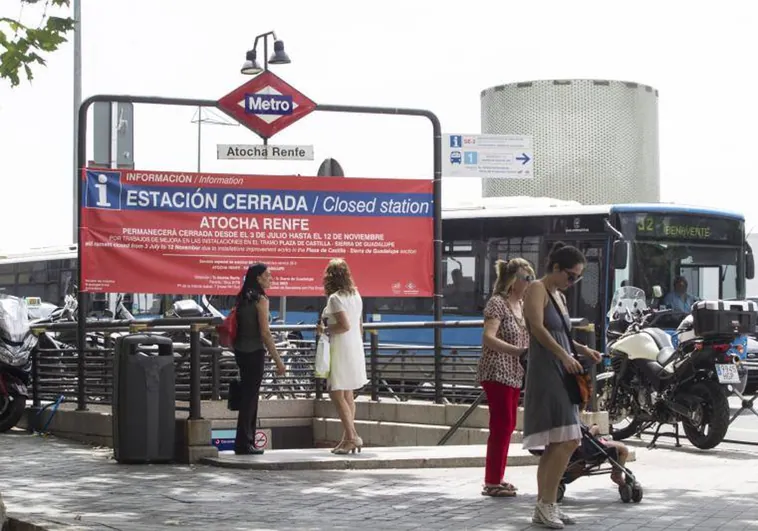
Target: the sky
pixel 435 55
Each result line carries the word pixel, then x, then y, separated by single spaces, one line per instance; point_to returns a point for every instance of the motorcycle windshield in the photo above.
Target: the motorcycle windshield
pixel 627 298
pixel 14 319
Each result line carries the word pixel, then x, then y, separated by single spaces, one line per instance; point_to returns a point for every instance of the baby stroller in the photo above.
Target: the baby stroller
pixel 589 460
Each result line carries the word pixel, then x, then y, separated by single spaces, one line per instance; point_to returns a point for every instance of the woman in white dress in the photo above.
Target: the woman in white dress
pixel 343 323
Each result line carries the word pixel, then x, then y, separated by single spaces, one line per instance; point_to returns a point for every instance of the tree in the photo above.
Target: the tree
pixel 22 45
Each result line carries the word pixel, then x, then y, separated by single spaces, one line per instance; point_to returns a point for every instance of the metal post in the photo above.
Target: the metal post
pixel 77 8
pixel 35 378
pixel 438 280
pixel 81 369
pixel 195 405
pixel 374 365
pixel 199 136
pixel 216 370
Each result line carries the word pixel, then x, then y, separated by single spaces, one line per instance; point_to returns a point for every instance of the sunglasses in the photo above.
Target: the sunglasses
pixel 525 277
pixel 573 278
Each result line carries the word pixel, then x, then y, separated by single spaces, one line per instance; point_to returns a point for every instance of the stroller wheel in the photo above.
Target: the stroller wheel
pixel 561 492
pixel 637 494
pixel 625 492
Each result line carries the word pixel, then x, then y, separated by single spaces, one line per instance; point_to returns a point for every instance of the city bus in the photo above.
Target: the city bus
pixel 656 241
pixel 45 275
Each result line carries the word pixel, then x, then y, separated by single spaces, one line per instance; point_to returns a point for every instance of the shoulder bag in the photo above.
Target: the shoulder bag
pixel 227 331
pixel 578 386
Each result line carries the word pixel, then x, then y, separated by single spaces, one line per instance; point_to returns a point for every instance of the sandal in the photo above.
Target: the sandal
pixel 508 486
pixel 498 491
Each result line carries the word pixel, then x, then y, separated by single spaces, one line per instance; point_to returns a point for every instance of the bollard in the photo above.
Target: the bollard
pixel 374 365
pixel 195 405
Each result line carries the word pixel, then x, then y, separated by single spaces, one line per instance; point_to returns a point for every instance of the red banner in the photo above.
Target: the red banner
pixel 196 233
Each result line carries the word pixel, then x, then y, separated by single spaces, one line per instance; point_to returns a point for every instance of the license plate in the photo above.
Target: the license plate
pixel 727 373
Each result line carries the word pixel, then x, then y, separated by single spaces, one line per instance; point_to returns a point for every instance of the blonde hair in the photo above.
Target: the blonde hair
pixel 507 271
pixel 337 277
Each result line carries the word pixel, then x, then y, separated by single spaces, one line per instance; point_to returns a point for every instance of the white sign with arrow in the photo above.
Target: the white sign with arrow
pixel 487 156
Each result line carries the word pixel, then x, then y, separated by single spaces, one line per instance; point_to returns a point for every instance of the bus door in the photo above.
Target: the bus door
pixel 587 298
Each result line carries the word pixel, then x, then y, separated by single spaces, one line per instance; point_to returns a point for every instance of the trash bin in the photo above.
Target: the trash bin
pixel 144 394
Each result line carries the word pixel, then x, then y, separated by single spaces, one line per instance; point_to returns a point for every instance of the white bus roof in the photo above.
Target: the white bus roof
pixel 506 207
pixel 65 252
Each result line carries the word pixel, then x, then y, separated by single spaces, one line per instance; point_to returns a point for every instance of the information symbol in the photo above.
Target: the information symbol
pixel 456 141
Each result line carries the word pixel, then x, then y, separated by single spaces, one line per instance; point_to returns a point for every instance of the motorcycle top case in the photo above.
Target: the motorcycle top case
pixel 724 318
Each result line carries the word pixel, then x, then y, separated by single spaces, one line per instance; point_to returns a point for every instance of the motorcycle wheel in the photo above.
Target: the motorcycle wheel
pixel 12 408
pixel 621 433
pixel 715 416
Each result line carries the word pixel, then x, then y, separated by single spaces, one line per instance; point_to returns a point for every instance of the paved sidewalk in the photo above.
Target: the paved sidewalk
pixel 73 484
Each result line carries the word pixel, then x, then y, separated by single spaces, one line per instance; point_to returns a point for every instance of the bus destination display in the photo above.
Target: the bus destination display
pixel 677 227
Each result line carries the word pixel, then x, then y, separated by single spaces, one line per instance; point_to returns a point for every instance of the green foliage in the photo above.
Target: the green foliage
pixel 22 46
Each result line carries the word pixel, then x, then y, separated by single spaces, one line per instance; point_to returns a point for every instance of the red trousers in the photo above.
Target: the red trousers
pixel 503 404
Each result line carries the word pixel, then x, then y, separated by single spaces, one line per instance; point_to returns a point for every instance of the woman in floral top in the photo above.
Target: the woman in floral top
pixel 500 373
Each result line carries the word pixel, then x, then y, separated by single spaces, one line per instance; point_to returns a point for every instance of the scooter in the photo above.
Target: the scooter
pixel 16 345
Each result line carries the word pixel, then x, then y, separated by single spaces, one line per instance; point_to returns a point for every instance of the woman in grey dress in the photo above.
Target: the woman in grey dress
pixel 551 420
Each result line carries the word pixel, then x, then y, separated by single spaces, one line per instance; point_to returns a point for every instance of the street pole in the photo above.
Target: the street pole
pixel 283 298
pixel 199 135
pixel 77 5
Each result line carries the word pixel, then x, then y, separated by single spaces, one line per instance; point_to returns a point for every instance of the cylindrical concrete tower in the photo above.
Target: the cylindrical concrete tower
pixel 595 141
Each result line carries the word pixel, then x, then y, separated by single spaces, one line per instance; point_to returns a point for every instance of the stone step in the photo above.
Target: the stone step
pixel 434 414
pixel 382 433
pixel 468 456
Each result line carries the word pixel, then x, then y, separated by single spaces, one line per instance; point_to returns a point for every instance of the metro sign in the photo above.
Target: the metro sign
pixel 266 104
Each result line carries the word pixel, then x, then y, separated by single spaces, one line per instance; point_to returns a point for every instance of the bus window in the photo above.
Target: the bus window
pixel 461 293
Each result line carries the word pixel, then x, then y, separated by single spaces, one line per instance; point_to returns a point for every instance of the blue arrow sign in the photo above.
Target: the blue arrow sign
pixel 524 158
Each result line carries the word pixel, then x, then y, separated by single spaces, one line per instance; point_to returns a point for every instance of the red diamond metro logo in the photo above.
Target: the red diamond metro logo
pixel 266 104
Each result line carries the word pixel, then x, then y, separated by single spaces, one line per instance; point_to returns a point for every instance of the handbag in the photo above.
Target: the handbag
pixel 323 357
pixel 578 386
pixel 227 331
pixel 235 395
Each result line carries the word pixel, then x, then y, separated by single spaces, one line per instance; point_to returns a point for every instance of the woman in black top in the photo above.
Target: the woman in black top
pixel 253 339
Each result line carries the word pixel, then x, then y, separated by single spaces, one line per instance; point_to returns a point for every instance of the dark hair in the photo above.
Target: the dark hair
pixel 682 279
pixel 565 256
pixel 251 288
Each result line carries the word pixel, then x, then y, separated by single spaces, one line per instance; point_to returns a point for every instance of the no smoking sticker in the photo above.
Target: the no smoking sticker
pixel 261 440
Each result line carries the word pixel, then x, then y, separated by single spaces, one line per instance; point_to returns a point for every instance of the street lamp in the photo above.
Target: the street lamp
pixel 279 57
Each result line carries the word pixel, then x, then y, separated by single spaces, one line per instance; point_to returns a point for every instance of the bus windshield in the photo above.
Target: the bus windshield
pixel 702 254
pixel 711 272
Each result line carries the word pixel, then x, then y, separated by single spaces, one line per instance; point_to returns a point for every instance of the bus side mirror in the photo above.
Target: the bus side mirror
pixel 657 292
pixel 749 266
pixel 620 254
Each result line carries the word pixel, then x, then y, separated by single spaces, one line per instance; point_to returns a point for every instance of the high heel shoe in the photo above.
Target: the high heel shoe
pixel 350 446
pixel 339 445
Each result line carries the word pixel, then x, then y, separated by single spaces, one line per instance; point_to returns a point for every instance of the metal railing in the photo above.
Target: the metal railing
pixel 204 370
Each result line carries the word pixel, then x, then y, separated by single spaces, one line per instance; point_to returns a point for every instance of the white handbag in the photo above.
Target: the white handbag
pixel 323 357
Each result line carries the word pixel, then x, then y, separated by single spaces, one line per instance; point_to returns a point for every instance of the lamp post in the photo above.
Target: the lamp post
pixel 251 68
pixel 279 57
pixel 77 8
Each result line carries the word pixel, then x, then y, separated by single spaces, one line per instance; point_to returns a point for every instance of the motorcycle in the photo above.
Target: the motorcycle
pixel 650 381
pixel 16 345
